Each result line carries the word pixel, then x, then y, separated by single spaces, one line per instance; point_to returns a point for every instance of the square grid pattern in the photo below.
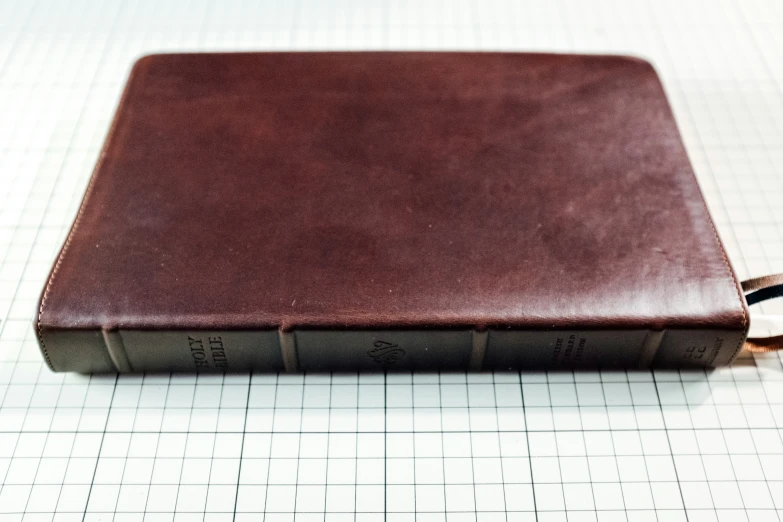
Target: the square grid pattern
pixel 639 446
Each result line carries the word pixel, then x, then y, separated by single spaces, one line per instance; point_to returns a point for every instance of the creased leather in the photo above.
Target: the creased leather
pixel 393 190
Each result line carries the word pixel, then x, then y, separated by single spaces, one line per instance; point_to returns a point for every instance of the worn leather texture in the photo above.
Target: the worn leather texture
pixel 393 190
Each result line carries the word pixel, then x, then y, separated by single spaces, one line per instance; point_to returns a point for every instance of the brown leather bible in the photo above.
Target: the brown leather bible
pixel 385 211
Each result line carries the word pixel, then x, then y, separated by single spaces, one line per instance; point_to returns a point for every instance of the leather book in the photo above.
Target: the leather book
pixel 391 211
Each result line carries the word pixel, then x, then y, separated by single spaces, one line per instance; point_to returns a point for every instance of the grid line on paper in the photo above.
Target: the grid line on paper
pixel 502 474
pixel 669 443
pixel 385 445
pixel 242 445
pixel 578 446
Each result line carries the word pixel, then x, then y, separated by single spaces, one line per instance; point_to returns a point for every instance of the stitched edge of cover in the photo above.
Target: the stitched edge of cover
pixel 731 275
pixel 726 263
pixel 733 278
pixel 87 193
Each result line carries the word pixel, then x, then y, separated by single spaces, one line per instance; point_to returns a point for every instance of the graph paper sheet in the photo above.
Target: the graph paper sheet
pixel 641 446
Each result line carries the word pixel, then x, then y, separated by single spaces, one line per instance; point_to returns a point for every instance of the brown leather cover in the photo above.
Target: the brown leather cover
pixel 322 210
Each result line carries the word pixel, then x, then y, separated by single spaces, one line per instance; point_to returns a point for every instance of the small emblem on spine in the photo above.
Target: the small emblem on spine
pixel 386 353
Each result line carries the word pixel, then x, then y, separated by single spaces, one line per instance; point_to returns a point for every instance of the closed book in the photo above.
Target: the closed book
pixel 391 211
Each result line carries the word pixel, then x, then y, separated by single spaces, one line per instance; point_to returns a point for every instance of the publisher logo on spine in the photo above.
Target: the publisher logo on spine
pixel 386 353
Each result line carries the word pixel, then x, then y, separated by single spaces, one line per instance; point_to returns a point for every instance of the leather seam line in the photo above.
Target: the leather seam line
pixel 88 192
pixel 731 275
pixel 732 278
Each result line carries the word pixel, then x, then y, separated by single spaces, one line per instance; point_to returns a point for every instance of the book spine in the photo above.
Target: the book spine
pixel 387 350
pixel 699 348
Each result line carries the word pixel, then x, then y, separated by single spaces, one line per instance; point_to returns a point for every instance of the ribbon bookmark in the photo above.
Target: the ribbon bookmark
pixel 758 290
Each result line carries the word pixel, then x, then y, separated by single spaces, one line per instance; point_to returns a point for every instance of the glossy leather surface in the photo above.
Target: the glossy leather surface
pixel 351 190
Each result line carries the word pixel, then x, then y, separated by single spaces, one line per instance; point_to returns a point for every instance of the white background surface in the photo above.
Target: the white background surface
pixel 489 447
